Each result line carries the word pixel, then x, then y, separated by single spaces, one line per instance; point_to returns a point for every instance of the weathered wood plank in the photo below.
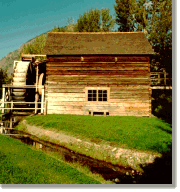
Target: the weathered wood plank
pixel 98 58
pixel 81 77
pixel 96 72
pixel 98 64
pixel 127 77
pixel 95 68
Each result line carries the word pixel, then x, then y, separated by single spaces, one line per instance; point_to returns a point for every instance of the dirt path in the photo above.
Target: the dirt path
pixel 100 151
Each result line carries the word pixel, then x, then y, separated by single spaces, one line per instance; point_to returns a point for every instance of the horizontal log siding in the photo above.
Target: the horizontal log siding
pixel 127 77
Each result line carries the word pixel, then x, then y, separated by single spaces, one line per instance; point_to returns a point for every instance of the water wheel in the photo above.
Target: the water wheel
pixel 24 74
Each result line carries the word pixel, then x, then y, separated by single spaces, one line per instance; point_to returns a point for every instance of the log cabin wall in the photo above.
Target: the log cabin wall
pixel 125 78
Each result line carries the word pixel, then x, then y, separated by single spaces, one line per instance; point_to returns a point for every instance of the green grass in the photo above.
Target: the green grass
pixel 20 164
pixel 141 133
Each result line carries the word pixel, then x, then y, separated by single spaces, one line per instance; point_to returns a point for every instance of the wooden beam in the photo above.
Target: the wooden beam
pixel 3 97
pixel 45 107
pixel 6 102
pixel 42 101
pixel 164 78
pixel 22 86
pixel 116 59
pixel 161 87
pixel 33 55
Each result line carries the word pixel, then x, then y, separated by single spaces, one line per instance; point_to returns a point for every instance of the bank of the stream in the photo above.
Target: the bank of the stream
pixel 21 164
pixel 140 133
pixel 95 148
pixel 113 162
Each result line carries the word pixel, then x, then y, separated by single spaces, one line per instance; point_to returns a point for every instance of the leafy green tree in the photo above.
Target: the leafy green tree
pixel 107 21
pixel 95 20
pixel 125 13
pixel 4 79
pixel 59 29
pixel 160 33
pixel 154 17
pixel 36 47
pixel 70 27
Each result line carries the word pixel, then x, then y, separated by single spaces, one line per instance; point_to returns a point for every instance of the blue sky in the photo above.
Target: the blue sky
pixel 22 20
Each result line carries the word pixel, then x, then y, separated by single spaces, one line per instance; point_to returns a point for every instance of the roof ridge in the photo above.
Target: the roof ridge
pixel 95 32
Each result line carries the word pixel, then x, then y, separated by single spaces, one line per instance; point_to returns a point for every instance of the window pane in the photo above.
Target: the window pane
pixel 105 91
pixel 104 98
pixel 92 95
pixel 102 95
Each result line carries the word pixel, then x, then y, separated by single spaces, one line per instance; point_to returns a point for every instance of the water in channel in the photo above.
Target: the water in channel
pixel 153 173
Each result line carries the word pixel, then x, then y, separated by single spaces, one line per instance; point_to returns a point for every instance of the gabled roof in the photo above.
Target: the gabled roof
pixel 97 43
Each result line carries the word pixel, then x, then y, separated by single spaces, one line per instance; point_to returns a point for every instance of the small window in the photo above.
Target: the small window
pixel 102 95
pixel 97 94
pixel 92 95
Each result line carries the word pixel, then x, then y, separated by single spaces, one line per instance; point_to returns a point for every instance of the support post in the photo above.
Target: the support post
pixel 11 105
pixel 36 96
pixel 165 78
pixel 8 95
pixel 1 128
pixel 11 123
pixel 159 80
pixel 45 108
pixel 3 97
pixel 42 100
pixel 36 104
pixel 150 102
pixel 92 113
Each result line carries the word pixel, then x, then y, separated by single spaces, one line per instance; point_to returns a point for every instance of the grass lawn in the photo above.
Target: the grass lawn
pixel 20 164
pixel 142 133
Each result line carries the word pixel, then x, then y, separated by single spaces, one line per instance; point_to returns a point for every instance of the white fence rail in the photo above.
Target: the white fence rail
pixel 12 105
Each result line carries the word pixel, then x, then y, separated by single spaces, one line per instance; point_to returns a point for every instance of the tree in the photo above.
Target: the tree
pixel 70 27
pixel 107 21
pixel 160 33
pixel 95 21
pixel 125 10
pixel 154 17
pixel 35 47
pixel 59 29
pixel 3 79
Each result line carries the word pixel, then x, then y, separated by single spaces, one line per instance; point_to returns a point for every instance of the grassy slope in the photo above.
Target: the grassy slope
pixel 21 164
pixel 141 133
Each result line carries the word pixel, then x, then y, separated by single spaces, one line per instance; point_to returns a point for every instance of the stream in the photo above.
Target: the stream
pixel 160 172
pixel 115 173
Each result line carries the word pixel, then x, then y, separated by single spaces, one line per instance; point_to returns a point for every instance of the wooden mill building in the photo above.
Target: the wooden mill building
pixel 98 73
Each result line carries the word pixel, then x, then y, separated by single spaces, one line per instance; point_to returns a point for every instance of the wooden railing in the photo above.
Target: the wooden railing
pixel 11 105
pixel 160 79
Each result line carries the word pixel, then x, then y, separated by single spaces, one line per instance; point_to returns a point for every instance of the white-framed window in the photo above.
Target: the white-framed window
pixel 97 94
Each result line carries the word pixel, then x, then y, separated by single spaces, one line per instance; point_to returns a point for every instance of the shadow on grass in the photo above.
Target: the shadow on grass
pixel 159 172
pixel 167 131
